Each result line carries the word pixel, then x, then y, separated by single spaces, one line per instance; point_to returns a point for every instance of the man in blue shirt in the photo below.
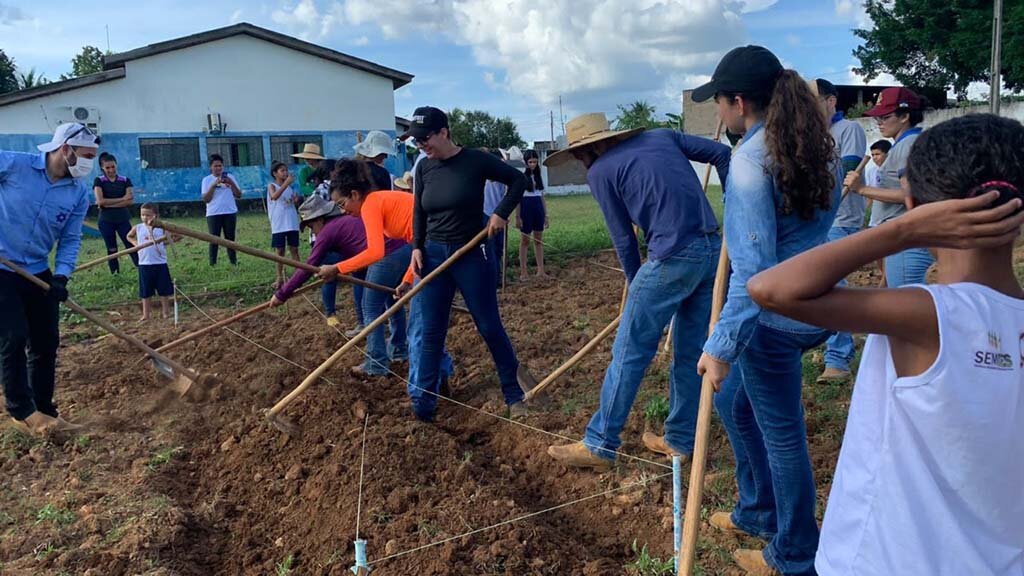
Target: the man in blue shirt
pixel 43 200
pixel 646 178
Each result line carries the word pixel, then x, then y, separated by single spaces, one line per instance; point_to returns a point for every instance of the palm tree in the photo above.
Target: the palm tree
pixel 31 80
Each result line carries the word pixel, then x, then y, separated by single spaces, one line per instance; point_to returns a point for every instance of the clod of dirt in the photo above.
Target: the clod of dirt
pixel 391 547
pixel 295 472
pixel 228 444
pixel 359 409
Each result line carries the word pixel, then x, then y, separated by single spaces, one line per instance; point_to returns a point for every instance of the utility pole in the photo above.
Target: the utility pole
pixel 561 114
pixel 995 79
pixel 107 26
pixel 551 113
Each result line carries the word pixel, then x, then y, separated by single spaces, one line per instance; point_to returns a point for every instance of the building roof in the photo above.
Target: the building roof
pixel 62 86
pixel 118 60
pixel 113 64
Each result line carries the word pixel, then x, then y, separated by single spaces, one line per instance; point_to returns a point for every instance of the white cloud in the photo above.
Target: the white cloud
pixel 853 11
pixel 590 49
pixel 883 79
pixel 236 16
pixel 10 15
pixel 361 41
pixel 306 20
pixel 792 39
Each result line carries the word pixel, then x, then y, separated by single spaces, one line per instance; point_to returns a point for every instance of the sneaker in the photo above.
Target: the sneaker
pixel 657 444
pixel 354 331
pixel 753 563
pixel 333 322
pixel 518 411
pixel 723 521
pixel 576 454
pixel 360 372
pixel 833 376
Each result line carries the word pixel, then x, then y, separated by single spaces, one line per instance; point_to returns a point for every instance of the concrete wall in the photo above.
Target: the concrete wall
pixel 254 86
pixel 1013 110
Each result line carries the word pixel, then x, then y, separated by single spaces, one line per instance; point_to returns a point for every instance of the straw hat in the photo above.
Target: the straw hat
pixel 586 130
pixel 311 151
pixel 405 182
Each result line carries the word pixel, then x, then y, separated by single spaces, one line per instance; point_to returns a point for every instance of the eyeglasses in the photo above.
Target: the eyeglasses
pixel 420 142
pixel 882 119
pixel 83 128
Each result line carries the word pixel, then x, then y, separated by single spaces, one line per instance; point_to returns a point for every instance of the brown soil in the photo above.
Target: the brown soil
pixel 160 486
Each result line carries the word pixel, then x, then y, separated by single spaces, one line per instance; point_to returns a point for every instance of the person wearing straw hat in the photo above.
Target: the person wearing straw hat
pixel 645 178
pixel 43 201
pixel 312 158
pixel 375 149
pixel 404 182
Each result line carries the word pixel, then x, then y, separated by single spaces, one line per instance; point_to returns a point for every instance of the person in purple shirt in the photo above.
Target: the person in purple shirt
pixel 340 237
pixel 646 178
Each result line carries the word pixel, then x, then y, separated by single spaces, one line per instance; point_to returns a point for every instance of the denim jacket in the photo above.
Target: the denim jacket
pixel 759 236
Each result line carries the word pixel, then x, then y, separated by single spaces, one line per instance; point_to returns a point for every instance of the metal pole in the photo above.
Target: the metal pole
pixel 995 79
pixel 677 506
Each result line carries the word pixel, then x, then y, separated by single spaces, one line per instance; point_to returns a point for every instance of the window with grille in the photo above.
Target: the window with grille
pixel 157 153
pixel 282 147
pixel 237 151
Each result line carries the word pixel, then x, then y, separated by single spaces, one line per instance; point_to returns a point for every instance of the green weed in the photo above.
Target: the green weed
pixel 647 565
pixel 285 567
pixel 656 410
pixel 58 516
pixel 162 456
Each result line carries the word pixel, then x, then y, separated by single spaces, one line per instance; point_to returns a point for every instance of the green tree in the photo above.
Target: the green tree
pixel 8 75
pixel 940 43
pixel 640 114
pixel 476 129
pixel 31 79
pixel 88 61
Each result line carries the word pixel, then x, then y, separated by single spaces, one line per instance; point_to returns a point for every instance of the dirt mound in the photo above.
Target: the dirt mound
pixel 168 487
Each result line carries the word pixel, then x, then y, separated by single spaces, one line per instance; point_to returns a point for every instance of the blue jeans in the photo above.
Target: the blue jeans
pixel 357 297
pixel 676 289
pixel 329 290
pixel 387 272
pixel 110 232
pixel 496 246
pixel 473 276
pixel 421 390
pixel 907 267
pixel 760 408
pixel 839 349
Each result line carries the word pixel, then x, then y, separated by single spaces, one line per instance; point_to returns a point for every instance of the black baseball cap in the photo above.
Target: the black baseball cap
pixel 744 69
pixel 425 121
pixel 826 88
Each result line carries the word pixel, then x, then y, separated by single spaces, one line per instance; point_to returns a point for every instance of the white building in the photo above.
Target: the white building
pixel 250 94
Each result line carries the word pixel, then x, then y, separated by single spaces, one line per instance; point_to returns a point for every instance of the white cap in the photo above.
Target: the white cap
pixel 375 144
pixel 73 133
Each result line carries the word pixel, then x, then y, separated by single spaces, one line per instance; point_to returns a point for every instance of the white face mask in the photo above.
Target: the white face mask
pixel 81 168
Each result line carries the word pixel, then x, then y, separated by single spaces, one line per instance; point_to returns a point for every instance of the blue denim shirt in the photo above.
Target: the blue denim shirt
pixel 759 236
pixel 648 179
pixel 35 214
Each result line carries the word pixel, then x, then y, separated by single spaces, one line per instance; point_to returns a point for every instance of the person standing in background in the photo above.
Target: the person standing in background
pixel 311 158
pixel 532 217
pixel 851 143
pixel 113 197
pixel 219 191
pixel 375 149
pixel 493 194
pixel 284 219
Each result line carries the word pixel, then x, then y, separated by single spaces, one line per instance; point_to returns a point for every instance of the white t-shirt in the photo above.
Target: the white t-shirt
pixel 223 201
pixel 283 215
pixel 156 254
pixel 871 179
pixel 930 479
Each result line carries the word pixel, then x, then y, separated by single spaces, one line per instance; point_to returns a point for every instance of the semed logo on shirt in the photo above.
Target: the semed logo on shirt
pixel 995 358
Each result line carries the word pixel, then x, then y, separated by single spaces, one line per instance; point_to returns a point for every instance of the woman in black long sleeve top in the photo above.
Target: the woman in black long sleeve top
pixel 448 212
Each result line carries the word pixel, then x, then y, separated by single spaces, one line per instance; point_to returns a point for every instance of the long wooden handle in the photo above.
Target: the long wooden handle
pixel 103 323
pixel 222 323
pixel 316 374
pixel 859 170
pixel 124 252
pixel 265 255
pixel 695 492
pixel 575 359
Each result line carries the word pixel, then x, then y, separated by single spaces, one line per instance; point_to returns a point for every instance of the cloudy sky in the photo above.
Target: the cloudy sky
pixel 509 57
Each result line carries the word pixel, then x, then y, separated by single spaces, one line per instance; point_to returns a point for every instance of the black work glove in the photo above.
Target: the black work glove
pixel 59 288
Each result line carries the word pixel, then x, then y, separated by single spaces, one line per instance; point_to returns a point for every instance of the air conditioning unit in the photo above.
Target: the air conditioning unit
pixel 214 124
pixel 88 115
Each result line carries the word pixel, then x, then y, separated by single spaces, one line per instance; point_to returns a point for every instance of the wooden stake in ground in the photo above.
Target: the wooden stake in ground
pixel 274 414
pixel 695 493
pixel 222 323
pixel 182 377
pixel 265 255
pixel 124 252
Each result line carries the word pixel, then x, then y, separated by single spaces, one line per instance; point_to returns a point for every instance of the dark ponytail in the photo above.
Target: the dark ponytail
pixel 801 146
pixel 351 175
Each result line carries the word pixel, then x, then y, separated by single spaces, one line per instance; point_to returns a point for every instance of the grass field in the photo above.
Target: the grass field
pixel 576 229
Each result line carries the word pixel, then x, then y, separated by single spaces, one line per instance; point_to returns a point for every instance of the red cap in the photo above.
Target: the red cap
pixel 893 99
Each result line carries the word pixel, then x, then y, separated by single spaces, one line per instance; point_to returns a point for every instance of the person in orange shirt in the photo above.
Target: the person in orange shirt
pixel 386 215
